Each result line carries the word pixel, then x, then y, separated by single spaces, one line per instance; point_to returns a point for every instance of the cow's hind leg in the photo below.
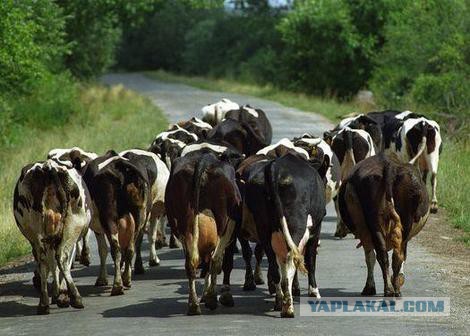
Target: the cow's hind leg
pixel 259 252
pixel 434 206
pixel 274 278
pixel 152 238
pixel 382 258
pixel 43 307
pixel 138 264
pixel 116 254
pixel 369 288
pixel 310 264
pixel 64 260
pixel 226 298
pixel 287 269
pixel 398 262
pixel 247 253
pixel 193 304
pixel 216 265
pixel 103 252
pixel 85 252
pixel 59 291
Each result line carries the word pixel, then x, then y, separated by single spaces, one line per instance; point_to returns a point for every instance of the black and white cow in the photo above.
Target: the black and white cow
pixel 283 206
pixel 157 175
pixel 52 211
pixel 193 125
pixel 364 122
pixel 202 201
pixel 215 113
pixel 169 144
pixel 419 142
pixel 70 158
pixel 122 201
pixel 257 120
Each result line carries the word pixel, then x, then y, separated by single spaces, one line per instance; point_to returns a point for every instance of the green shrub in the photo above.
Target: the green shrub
pixel 425 59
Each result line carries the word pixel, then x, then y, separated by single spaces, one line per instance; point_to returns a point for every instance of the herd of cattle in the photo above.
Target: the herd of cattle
pixel 219 180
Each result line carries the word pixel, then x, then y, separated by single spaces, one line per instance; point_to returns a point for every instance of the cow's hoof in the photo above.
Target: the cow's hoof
pixel 368 291
pixel 434 207
pixel 76 302
pixel 277 304
pixel 127 283
pixel 37 282
pixel 287 311
pixel 194 309
pixel 139 269
pixel 211 301
pixel 159 244
pixel 314 292
pixel 397 294
pixel 271 287
pixel 63 301
pixel 43 310
pixel 118 290
pixel 249 284
pixel 153 263
pixel 226 299
pixel 101 282
pixel 388 292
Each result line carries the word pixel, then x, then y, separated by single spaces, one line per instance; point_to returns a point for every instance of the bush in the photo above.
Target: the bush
pixel 426 57
pixel 31 43
pixel 323 48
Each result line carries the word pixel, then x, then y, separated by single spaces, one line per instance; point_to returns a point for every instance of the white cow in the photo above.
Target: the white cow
pixel 215 113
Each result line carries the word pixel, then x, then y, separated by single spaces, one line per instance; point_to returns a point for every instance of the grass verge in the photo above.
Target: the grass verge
pixel 109 118
pixel 454 170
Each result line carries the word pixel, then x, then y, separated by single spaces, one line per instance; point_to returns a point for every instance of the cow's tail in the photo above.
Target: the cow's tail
pixel 395 225
pixel 199 170
pixel 272 182
pixel 421 147
pixel 349 161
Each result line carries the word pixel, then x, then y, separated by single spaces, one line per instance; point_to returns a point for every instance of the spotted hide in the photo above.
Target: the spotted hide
pixel 52 211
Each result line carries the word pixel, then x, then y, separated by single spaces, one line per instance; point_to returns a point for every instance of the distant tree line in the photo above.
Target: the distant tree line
pixel 405 51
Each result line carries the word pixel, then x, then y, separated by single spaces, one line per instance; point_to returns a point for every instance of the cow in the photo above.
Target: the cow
pixel 320 150
pixel 157 175
pixel 283 206
pixel 240 135
pixel 390 121
pixel 122 201
pixel 68 157
pixel 202 200
pixel 215 113
pixel 195 126
pixel 364 122
pixel 384 203
pixel 52 210
pixel 257 120
pixel 169 144
pixel 350 146
pixel 419 142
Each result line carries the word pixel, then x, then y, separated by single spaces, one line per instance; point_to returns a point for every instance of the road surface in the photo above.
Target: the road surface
pixel 157 301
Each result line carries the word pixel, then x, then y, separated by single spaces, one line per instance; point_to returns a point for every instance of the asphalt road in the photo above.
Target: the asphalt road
pixel 157 301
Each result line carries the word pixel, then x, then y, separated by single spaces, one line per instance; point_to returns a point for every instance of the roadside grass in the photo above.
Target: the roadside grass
pixel 108 118
pixel 454 169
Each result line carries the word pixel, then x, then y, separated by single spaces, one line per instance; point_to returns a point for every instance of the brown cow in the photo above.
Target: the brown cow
pixel 384 203
pixel 201 200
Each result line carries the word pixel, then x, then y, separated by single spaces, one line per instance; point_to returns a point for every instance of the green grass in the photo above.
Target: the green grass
pixel 112 118
pixel 330 108
pixel 454 170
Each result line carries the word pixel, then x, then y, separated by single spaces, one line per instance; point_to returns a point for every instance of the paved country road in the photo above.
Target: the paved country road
pixel 156 303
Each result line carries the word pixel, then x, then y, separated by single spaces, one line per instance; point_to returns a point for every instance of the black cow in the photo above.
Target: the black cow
pixel 195 126
pixel 283 206
pixel 256 118
pixel 121 196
